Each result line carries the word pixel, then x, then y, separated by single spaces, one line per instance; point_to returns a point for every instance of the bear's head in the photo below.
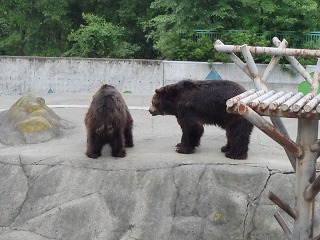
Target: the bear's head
pixel 164 101
pixel 103 103
pixel 158 102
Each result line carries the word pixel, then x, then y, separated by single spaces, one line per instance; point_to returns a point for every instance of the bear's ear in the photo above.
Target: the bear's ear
pixel 188 84
pixel 169 89
pixel 159 90
pixel 104 86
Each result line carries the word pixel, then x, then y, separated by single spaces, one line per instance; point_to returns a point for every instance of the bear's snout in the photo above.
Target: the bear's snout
pixel 154 111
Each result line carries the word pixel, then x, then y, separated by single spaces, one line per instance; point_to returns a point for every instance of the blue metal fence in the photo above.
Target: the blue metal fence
pixel 311 38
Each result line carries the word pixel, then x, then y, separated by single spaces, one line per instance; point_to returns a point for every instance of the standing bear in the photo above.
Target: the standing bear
pixel 108 121
pixel 195 103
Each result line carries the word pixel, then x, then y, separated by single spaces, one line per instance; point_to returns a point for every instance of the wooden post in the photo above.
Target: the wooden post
pixel 305 176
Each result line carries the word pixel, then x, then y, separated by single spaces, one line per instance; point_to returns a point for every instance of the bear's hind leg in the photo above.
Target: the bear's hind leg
pixel 227 147
pixel 191 135
pixel 94 146
pixel 117 146
pixel 236 155
pixel 239 140
pixel 128 136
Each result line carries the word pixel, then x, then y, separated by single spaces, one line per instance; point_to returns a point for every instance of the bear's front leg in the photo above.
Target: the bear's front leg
pixel 184 149
pixel 191 134
pixel 117 146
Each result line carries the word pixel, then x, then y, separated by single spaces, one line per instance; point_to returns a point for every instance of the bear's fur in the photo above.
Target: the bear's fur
pixel 108 121
pixel 195 103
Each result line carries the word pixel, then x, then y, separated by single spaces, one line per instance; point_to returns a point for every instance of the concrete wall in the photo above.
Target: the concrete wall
pixel 36 74
pixel 20 75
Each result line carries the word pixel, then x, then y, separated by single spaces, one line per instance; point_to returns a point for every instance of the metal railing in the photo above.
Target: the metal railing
pixel 312 38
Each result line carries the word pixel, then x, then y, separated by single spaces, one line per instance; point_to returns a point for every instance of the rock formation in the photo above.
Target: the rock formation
pixel 30 120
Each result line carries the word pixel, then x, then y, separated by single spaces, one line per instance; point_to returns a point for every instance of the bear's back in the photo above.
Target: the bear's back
pixel 211 92
pixel 223 88
pixel 207 99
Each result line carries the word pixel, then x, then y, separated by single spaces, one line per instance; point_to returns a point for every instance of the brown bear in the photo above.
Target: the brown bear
pixel 195 103
pixel 108 121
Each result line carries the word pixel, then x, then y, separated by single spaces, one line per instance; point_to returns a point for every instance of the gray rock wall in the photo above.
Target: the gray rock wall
pixel 191 201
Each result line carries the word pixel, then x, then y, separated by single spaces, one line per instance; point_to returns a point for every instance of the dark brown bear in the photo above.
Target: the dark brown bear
pixel 195 103
pixel 108 121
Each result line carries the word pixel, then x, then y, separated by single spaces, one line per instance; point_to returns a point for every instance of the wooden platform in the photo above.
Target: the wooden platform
pixel 278 104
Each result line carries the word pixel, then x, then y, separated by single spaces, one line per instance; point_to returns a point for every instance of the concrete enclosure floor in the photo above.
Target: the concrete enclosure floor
pixel 52 190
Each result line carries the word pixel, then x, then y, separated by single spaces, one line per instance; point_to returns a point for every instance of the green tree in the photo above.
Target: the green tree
pixel 275 16
pixel 180 18
pixel 130 15
pixel 35 27
pixel 125 13
pixel 161 28
pixel 99 38
pixel 174 23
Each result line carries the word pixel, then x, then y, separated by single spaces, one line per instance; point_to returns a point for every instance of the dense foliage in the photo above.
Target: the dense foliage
pixel 99 38
pixel 152 29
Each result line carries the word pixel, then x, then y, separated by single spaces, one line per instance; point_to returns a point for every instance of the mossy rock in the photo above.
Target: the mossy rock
pixel 34 124
pixel 30 120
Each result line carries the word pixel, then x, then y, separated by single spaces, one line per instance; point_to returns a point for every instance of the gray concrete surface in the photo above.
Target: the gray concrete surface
pixel 52 190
